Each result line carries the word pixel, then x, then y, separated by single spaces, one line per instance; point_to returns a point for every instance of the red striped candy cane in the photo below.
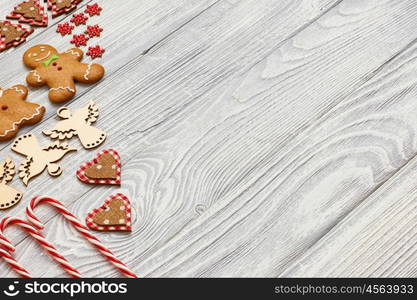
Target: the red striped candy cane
pixel 52 251
pixel 80 227
pixel 13 264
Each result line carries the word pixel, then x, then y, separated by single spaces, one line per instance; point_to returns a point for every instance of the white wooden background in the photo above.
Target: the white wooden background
pixel 258 138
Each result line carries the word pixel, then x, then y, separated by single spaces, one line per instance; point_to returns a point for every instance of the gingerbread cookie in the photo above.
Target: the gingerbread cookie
pixel 30 12
pixel 15 112
pixel 9 196
pixel 59 7
pixel 12 35
pixel 38 159
pixel 113 215
pixel 59 70
pixel 105 168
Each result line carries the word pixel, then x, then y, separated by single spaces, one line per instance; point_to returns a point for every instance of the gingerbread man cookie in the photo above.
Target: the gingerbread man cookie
pixel 15 112
pixel 59 70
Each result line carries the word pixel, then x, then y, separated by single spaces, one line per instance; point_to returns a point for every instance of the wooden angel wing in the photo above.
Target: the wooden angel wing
pixel 30 168
pixel 65 129
pixel 88 114
pixel 56 151
pixel 26 145
pixel 7 171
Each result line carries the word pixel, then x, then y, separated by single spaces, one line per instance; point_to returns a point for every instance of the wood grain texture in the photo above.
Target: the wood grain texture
pixel 130 74
pixel 248 142
pixel 379 237
pixel 258 178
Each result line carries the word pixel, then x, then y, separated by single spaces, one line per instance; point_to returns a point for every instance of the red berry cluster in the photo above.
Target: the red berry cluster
pixel 95 51
pixel 93 31
pixel 81 39
pixel 93 10
pixel 79 19
pixel 64 29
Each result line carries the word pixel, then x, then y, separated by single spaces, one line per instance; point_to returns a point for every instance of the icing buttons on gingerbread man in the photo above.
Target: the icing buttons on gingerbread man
pixel 15 112
pixel 59 71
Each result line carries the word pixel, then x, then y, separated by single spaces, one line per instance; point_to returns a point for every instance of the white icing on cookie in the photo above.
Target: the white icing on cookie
pixel 16 124
pixel 62 88
pixel 70 51
pixel 18 90
pixel 37 75
pixel 87 72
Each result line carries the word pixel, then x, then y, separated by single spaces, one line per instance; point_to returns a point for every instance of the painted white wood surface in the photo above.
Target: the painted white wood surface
pixel 248 130
pixel 378 238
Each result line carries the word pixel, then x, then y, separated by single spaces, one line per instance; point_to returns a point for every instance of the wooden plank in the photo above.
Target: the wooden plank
pixel 114 117
pixel 378 238
pixel 257 171
pixel 232 161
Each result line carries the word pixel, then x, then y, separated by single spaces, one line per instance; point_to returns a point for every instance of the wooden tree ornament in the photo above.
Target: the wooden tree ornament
pixel 79 124
pixel 38 159
pixel 8 195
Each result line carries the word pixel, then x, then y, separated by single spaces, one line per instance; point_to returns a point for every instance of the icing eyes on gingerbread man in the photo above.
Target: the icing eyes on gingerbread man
pixel 59 71
pixel 15 112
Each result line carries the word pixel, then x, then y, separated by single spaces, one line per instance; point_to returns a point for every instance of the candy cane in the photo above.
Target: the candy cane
pixel 8 221
pixel 80 227
pixel 9 259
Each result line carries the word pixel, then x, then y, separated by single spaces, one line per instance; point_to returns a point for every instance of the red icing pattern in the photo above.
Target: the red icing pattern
pixel 83 177
pixel 57 12
pixel 31 21
pixel 94 212
pixel 27 32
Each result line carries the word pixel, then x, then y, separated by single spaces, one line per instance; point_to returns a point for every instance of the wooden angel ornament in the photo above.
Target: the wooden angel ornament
pixel 8 195
pixel 37 158
pixel 79 124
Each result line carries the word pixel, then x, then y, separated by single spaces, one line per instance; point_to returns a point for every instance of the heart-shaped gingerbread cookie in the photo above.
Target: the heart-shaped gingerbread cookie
pixel 113 215
pixel 105 168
